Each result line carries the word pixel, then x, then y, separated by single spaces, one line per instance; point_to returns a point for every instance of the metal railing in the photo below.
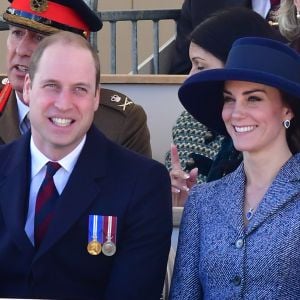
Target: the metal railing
pixel 133 16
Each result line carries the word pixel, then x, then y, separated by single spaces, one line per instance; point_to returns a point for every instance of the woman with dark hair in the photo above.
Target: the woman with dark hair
pixel 239 235
pixel 197 145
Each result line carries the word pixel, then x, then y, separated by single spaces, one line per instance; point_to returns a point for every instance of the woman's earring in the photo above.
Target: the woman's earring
pixel 286 124
pixel 298 14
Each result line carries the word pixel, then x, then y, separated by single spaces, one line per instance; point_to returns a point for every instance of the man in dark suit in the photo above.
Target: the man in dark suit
pixel 117 117
pixel 193 12
pixel 100 228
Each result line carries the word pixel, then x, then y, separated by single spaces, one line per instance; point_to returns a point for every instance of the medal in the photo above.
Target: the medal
pixel 94 248
pixel 95 234
pixel 109 247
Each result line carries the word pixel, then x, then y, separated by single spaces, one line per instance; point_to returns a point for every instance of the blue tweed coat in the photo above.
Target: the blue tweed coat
pixel 218 258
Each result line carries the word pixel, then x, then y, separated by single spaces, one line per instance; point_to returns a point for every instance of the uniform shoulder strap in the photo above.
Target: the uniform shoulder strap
pixel 116 101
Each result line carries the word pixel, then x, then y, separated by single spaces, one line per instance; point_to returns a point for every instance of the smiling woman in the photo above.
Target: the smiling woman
pixel 244 223
pixel 253 114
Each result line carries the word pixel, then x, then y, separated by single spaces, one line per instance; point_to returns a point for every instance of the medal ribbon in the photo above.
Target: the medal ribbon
pixel 95 228
pixel 110 228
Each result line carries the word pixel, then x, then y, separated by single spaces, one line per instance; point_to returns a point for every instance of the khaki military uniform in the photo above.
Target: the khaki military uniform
pixel 121 120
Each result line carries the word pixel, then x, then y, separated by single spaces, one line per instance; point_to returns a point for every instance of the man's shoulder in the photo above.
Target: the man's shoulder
pixel 118 102
pixel 5 91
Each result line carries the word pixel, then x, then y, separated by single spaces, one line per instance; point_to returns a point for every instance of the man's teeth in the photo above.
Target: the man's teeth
pixel 22 68
pixel 61 122
pixel 244 128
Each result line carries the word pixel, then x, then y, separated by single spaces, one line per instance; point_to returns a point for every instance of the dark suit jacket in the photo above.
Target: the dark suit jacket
pixel 107 180
pixel 118 117
pixel 193 12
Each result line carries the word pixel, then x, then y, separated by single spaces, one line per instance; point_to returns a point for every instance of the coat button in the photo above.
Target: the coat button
pixel 237 280
pixel 239 243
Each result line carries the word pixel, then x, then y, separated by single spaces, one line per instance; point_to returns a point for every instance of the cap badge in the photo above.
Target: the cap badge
pixel 39 5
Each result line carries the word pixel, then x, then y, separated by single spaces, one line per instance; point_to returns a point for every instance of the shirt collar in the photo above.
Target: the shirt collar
pixel 261 7
pixel 38 159
pixel 23 109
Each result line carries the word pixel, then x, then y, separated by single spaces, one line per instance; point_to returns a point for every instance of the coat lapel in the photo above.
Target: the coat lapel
pixel 14 205
pixel 283 190
pixel 81 189
pixel 232 197
pixel 9 120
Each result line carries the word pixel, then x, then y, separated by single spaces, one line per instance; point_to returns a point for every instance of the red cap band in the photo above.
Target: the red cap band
pixel 54 12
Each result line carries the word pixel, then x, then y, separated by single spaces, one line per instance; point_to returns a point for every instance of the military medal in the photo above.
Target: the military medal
pixel 110 226
pixel 95 234
pixel 94 247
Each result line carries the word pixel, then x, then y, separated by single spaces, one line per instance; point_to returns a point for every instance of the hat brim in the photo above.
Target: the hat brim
pixel 202 94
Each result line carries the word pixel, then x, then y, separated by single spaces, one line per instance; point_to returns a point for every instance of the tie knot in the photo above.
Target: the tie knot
pixel 52 168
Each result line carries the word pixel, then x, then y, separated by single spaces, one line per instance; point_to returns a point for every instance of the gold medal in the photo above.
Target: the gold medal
pixel 94 247
pixel 109 248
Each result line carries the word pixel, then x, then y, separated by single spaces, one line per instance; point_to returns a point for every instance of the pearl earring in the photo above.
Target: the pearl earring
pixel 286 124
pixel 298 15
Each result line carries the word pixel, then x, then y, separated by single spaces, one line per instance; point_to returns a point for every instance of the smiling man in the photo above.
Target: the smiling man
pixel 80 216
pixel 30 21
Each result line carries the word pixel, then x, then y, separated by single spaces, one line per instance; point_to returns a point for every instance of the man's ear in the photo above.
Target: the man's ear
pixel 97 97
pixel 26 89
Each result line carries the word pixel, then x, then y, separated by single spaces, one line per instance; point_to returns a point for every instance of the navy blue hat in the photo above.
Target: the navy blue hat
pixel 253 59
pixel 50 16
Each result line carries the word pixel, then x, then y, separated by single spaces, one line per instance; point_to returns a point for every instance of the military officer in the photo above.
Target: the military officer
pixel 118 117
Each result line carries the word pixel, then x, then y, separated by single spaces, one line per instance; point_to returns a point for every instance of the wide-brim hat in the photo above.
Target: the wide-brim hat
pixel 252 59
pixel 50 16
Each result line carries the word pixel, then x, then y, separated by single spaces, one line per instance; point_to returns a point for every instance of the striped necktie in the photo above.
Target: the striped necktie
pixel 45 203
pixel 25 124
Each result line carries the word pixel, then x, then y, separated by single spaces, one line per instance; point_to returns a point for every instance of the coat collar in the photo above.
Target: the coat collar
pixel 82 188
pixel 283 190
pixel 285 187
pixel 80 191
pixel 16 173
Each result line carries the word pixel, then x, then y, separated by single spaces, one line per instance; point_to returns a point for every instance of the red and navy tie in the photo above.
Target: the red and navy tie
pixel 45 203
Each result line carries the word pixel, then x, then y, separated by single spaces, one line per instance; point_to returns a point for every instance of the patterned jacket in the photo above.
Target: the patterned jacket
pixel 219 258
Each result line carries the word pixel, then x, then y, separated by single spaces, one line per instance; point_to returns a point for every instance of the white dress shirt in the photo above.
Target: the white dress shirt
pixel 261 6
pixel 38 172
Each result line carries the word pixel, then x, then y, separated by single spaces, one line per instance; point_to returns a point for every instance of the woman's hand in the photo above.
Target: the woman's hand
pixel 181 181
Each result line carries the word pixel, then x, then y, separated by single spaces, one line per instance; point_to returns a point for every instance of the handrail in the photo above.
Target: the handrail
pixel 142 79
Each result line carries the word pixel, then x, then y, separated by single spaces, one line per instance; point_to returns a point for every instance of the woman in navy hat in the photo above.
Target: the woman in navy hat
pixel 196 147
pixel 239 236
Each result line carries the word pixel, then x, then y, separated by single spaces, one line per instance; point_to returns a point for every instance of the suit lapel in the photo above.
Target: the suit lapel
pixel 81 189
pixel 9 120
pixel 14 205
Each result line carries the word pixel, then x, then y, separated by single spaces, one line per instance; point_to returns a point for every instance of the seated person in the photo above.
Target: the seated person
pixel 197 145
